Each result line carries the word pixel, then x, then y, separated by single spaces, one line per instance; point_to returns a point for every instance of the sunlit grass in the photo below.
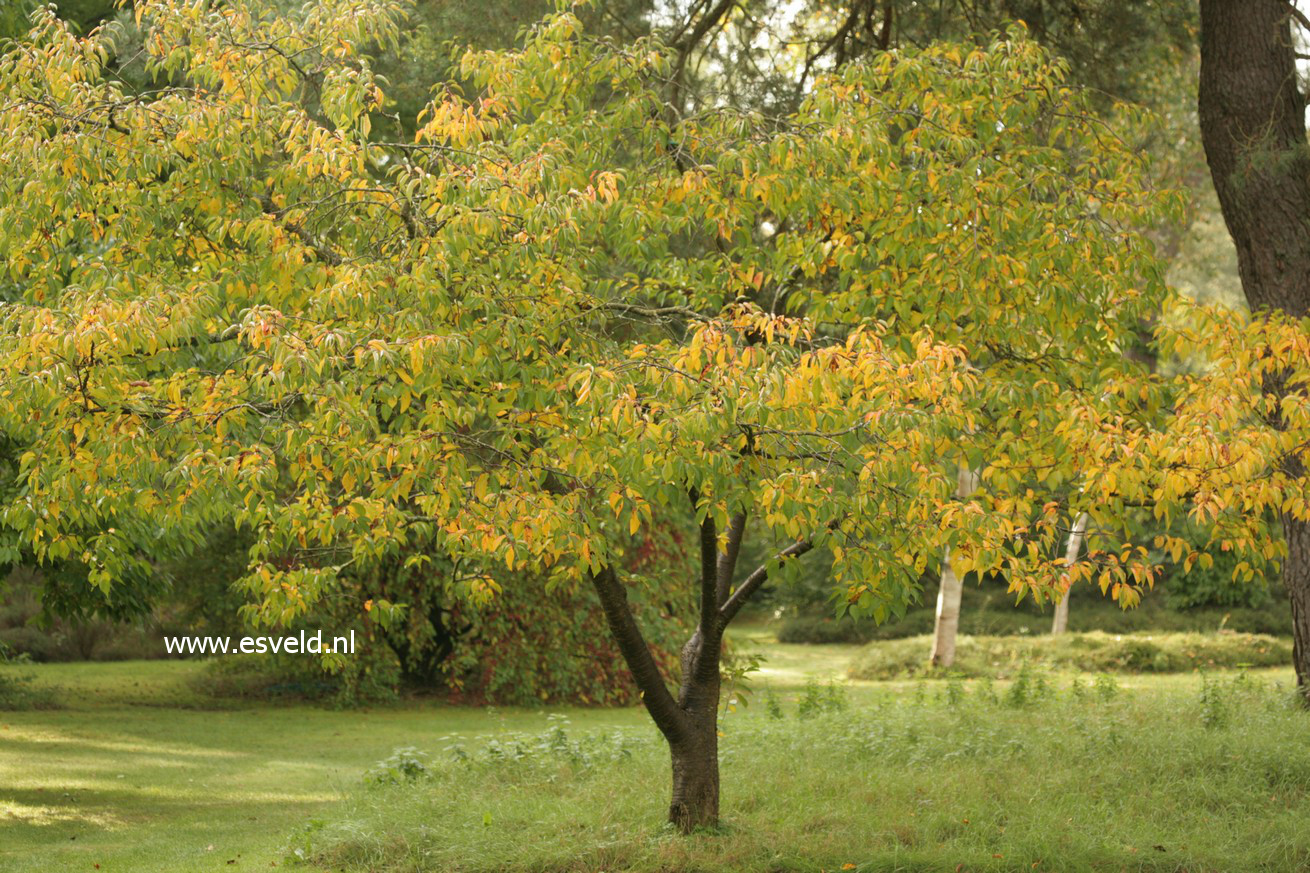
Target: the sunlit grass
pixel 138 772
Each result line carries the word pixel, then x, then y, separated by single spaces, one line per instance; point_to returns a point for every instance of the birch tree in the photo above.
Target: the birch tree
pixel 1060 618
pixel 951 590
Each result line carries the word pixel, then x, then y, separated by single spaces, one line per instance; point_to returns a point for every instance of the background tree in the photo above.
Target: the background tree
pixel 1252 114
pixel 1060 616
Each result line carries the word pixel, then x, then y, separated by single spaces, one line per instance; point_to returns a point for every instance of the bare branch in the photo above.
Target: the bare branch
pixel 752 582
pixel 728 557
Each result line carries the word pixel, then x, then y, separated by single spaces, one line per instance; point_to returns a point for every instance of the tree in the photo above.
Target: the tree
pixel 950 591
pixel 559 309
pixel 1060 620
pixel 1253 127
pixel 748 55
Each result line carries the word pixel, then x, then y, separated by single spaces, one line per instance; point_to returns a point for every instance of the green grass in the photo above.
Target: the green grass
pixel 1002 657
pixel 138 772
pixel 938 777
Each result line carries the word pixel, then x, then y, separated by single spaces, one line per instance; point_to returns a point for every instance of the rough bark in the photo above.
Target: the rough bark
pixel 1296 578
pixel 947 624
pixel 695 755
pixel 695 801
pixel 1252 116
pixel 1060 623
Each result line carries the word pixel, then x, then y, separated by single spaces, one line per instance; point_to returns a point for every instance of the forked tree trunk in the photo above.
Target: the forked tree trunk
pixel 1060 623
pixel 690 722
pixel 695 802
pixel 1253 127
pixel 947 625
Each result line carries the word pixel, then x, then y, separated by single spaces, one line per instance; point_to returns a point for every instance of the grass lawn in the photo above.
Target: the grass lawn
pixel 137 773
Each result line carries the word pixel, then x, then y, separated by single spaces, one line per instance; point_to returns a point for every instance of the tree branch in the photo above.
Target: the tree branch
pixel 655 694
pixel 728 557
pixel 709 552
pixel 1300 16
pixel 684 44
pixel 752 582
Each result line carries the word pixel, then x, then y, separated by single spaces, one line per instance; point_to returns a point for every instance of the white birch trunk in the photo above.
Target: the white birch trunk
pixel 1060 623
pixel 947 625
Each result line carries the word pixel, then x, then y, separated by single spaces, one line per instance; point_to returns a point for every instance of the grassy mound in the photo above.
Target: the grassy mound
pixel 1093 652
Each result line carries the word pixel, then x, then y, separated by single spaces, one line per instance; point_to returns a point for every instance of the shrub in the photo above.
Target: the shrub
pixel 262 677
pixel 816 629
pixel 985 614
pixel 531 646
pixel 16 689
pixel 534 646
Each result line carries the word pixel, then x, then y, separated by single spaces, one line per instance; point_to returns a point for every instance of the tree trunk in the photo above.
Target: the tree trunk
pixel 1252 116
pixel 1296 578
pixel 947 625
pixel 690 723
pixel 1253 128
pixel 1060 623
pixel 695 749
pixel 695 801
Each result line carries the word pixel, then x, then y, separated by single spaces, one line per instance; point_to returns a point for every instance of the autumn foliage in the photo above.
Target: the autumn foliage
pixel 564 310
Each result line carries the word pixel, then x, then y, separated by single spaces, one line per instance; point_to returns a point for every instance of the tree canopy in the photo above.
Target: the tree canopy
pixel 564 307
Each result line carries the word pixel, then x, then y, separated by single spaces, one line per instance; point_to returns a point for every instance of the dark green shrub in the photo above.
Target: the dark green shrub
pixel 531 646
pixel 17 691
pixel 815 629
pixel 298 677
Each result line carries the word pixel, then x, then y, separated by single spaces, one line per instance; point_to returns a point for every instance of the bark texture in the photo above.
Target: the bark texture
pixel 1060 623
pixel 1252 116
pixel 1296 578
pixel 695 754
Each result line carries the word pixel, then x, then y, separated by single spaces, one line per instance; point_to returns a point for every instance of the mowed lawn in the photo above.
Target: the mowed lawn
pixel 139 773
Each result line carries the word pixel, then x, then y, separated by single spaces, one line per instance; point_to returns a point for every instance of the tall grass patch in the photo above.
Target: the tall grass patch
pixel 969 775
